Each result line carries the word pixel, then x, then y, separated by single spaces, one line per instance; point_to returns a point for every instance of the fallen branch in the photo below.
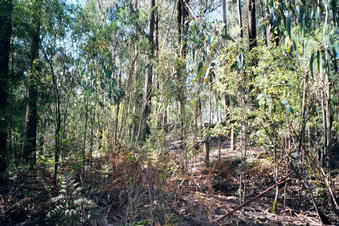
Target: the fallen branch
pixel 253 199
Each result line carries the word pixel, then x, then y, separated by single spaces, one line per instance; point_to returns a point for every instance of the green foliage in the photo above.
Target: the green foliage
pixel 71 208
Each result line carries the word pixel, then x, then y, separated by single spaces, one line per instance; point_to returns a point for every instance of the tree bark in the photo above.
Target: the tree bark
pixel 224 19
pixel 29 151
pixel 85 136
pixel 252 30
pixel 146 108
pixel 5 36
pixel 182 16
pixel 240 18
pixel 57 145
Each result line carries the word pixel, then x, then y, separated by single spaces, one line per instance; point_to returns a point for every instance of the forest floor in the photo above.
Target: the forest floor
pixel 213 191
pixel 198 196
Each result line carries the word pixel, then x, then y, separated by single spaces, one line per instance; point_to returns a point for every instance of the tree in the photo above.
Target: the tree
pixel 182 16
pixel 240 18
pixel 146 107
pixel 29 152
pixel 5 36
pixel 252 30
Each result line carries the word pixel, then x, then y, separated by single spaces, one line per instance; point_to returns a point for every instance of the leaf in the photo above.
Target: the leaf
pixel 311 64
pixel 289 23
pixel 295 47
pixel 317 14
pixel 287 106
pixel 240 61
pixel 297 11
pixel 108 73
pixel 201 70
pixel 227 37
pixel 319 61
pixel 207 74
pixel 88 93
pixel 210 38
pixel 272 17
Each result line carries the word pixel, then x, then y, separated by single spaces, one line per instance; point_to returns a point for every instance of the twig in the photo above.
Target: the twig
pixel 190 10
pixel 253 199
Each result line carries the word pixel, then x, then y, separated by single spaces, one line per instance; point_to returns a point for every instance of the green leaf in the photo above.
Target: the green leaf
pixel 317 14
pixel 227 37
pixel 319 61
pixel 201 70
pixel 101 104
pixel 102 85
pixel 88 93
pixel 336 50
pixel 295 47
pixel 289 23
pixel 311 64
pixel 108 73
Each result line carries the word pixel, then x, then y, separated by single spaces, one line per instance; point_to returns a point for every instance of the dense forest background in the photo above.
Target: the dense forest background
pixel 169 112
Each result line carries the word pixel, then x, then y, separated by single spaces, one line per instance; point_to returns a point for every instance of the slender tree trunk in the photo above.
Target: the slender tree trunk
pixel 264 16
pixel 92 138
pixel 57 119
pixel 326 110
pixel 57 142
pixel 182 51
pixel 224 19
pixel 127 102
pixel 275 202
pixel 240 18
pixel 29 152
pixel 136 5
pixel 65 115
pixel 146 109
pixel 303 118
pixel 328 118
pixel 85 136
pixel 116 122
pixel 207 145
pixel 5 36
pixel 252 30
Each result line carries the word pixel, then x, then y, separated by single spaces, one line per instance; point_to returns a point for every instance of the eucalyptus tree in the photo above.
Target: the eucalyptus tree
pixel 29 151
pixel 146 109
pixel 252 26
pixel 183 25
pixel 5 36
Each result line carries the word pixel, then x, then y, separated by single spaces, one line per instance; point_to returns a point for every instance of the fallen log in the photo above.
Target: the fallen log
pixel 253 199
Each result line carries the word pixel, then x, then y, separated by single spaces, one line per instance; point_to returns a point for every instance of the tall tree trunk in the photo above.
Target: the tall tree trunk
pixel 29 152
pixel 264 15
pixel 252 30
pixel 146 108
pixel 127 101
pixel 240 18
pixel 224 13
pixel 182 51
pixel 57 110
pixel 5 36
pixel 85 136
pixel 57 141
pixel 116 122
pixel 276 166
pixel 136 5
